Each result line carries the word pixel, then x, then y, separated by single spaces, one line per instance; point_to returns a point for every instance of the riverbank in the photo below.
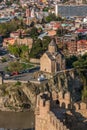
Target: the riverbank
pixel 17 120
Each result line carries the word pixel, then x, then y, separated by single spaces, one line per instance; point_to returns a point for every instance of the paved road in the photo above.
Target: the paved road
pixel 23 77
pixel 3 65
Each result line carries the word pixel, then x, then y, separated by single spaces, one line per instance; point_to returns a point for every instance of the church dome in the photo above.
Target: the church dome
pixel 52 43
pixel 52 48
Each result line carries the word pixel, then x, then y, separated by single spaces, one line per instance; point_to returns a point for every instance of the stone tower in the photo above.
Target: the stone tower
pixel 42 108
pixel 52 48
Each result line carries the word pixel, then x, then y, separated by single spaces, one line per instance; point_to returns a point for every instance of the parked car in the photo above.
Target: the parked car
pixel 14 73
pixel 7 75
pixel 21 72
pixel 12 56
pixel 24 71
pixel 27 70
pixel 41 78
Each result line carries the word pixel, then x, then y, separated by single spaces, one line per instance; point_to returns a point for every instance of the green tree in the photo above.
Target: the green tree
pixel 21 51
pixel 51 17
pixel 34 32
pixel 70 60
pixel 24 52
pixel 8 3
pixel 81 67
pixel 3 29
pixel 13 25
pixel 46 9
pixel 39 47
pixel 15 50
pixel 15 66
pixel 45 42
pixel 36 49
pixel 61 32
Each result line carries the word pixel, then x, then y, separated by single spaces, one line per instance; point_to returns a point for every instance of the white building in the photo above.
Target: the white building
pixel 56 10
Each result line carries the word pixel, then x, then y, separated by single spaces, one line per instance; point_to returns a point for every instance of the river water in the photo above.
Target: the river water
pixel 17 120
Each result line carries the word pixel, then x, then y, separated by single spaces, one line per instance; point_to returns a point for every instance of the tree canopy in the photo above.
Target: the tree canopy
pixel 34 32
pixel 70 60
pixel 52 17
pixel 21 51
pixel 15 67
pixel 39 47
pixel 7 28
pixel 81 67
pixel 61 32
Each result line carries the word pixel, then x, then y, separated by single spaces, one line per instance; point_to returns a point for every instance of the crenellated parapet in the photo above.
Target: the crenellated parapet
pixel 45 119
pixel 56 123
pixel 80 106
pixel 64 99
pixel 51 118
pixel 43 103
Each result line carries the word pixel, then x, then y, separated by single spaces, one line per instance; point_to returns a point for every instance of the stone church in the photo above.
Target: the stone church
pixel 52 60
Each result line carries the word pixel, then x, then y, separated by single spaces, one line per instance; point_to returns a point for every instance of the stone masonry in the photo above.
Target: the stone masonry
pixel 57 112
pixel 44 117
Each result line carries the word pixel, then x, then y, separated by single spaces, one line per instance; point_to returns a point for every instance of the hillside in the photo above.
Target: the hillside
pixel 22 97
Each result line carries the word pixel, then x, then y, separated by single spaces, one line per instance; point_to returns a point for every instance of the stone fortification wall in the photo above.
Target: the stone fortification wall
pixel 55 123
pixel 65 101
pixel 44 118
pixel 61 99
pixel 81 108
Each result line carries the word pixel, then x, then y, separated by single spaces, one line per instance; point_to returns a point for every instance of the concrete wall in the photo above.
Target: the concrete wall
pixel 14 81
pixel 34 60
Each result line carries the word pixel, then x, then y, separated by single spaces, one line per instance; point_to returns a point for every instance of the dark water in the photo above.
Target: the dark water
pixel 17 121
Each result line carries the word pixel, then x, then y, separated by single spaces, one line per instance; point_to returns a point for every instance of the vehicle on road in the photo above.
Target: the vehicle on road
pixel 41 78
pixel 14 73
pixel 7 75
pixel 12 56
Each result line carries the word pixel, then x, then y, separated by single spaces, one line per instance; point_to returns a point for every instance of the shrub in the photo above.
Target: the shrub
pixel 18 83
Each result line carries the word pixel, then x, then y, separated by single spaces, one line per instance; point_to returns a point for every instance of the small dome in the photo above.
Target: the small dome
pixel 52 48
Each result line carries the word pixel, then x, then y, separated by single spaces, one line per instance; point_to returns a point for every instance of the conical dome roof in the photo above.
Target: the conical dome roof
pixel 52 48
pixel 52 43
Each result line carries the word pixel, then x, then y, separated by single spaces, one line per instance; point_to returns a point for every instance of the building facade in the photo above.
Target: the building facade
pixel 52 60
pixel 71 10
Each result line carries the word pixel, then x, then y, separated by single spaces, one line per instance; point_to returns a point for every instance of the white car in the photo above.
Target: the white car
pixel 12 56
pixel 7 75
pixel 41 78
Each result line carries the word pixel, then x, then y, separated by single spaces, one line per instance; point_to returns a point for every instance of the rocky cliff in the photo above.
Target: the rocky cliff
pixel 20 97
